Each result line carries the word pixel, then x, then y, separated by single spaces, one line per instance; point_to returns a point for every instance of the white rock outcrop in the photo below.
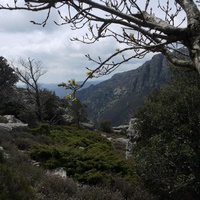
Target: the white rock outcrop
pixel 10 123
pixel 133 137
pixel 120 129
pixel 58 172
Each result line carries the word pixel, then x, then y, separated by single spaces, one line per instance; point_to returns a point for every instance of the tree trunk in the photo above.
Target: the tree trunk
pixel 193 39
pixel 39 106
pixel 196 54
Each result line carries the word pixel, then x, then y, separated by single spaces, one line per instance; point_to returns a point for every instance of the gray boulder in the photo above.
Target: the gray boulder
pixel 10 123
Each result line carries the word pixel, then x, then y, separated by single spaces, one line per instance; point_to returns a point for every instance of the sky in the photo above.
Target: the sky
pixel 62 58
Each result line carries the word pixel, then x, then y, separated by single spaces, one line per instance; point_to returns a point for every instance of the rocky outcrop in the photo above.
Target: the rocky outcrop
pixel 122 129
pixel 58 172
pixel 133 137
pixel 117 98
pixel 88 125
pixel 67 119
pixel 10 123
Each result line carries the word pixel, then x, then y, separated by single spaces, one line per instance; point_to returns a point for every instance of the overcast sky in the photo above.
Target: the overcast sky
pixel 51 44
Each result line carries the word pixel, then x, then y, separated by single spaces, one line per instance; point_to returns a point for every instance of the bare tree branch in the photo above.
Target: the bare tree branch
pixel 29 73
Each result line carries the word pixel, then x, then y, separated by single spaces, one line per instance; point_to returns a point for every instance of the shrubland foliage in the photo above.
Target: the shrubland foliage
pixel 167 157
pixel 42 129
pixel 11 180
pixel 105 126
pixel 78 111
pixel 7 81
pixel 24 108
pixel 7 76
pixel 87 157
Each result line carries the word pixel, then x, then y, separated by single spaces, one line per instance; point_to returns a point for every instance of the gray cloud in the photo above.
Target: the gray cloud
pixel 51 44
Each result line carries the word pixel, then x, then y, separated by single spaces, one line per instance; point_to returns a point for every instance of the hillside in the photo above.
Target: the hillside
pixel 116 99
pixel 56 162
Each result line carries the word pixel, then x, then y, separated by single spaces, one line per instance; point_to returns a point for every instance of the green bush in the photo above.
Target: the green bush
pixel 42 129
pixel 167 157
pixel 86 156
pixel 105 126
pixel 23 144
pixel 55 187
pixel 5 137
pixel 98 193
pixel 1 156
pixel 3 119
pixel 13 185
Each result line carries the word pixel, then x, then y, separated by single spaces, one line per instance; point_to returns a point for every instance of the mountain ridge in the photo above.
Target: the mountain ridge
pixel 117 98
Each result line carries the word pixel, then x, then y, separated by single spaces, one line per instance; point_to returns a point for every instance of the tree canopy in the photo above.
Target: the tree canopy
pixel 8 79
pixel 7 76
pixel 167 156
pixel 139 27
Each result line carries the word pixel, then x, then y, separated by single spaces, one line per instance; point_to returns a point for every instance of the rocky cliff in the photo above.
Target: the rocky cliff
pixel 116 99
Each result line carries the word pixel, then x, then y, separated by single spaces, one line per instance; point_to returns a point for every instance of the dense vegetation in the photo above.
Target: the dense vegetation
pixel 168 156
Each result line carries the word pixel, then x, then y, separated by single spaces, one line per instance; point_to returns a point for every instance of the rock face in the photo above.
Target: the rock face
pixel 117 99
pixel 133 137
pixel 10 123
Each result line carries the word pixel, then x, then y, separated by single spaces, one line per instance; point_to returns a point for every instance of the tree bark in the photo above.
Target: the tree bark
pixel 193 26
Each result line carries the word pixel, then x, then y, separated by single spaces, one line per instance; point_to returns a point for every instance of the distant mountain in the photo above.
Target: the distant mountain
pixel 116 99
pixel 60 91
